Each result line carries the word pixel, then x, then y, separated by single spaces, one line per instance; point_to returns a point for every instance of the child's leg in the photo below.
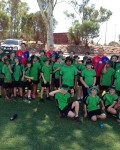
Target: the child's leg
pixel 41 94
pixel 29 93
pixel 112 110
pixel 102 116
pixel 5 92
pixel 94 118
pixel 21 91
pixel 34 89
pixel 79 92
pixel 15 91
pixel 76 106
pixel 47 91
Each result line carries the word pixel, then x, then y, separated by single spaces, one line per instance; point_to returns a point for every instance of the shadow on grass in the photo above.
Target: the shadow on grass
pixel 45 130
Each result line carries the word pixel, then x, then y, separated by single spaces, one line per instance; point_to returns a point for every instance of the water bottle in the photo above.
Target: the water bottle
pixel 13 117
pixel 101 125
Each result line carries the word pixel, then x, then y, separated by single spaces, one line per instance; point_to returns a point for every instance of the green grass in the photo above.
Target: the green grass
pixel 45 130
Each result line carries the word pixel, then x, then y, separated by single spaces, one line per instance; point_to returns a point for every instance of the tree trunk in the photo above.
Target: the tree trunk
pixel 50 40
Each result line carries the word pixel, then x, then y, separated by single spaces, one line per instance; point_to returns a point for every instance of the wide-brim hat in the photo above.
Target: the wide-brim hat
pixel 112 87
pixel 93 87
pixel 66 87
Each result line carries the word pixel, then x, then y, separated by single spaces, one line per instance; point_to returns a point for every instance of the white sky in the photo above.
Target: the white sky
pixel 113 25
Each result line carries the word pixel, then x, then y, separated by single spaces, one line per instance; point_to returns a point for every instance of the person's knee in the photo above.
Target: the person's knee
pixel 103 116
pixel 94 118
pixel 71 114
pixel 76 103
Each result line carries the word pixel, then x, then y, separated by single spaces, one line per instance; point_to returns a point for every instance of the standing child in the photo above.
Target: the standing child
pixel 46 75
pixel 42 58
pixel 17 74
pixel 88 78
pixel 56 71
pixel 106 79
pixel 35 73
pixel 27 79
pixel 7 76
pixel 92 105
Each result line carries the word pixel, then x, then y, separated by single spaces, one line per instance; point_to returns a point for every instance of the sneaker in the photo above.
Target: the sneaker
pixel 29 98
pixel 33 96
pixel 48 98
pixel 42 100
pixel 77 119
pixel 7 98
pixel 26 95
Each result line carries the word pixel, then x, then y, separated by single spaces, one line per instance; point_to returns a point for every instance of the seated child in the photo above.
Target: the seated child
pixel 92 105
pixel 109 101
pixel 66 107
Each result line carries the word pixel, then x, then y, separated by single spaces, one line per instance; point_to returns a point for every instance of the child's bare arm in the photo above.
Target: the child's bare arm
pixel 43 77
pixel 54 92
pixel 83 82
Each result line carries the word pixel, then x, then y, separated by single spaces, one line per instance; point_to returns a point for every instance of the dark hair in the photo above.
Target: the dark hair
pixel 23 44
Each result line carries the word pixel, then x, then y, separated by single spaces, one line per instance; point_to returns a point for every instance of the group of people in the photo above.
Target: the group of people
pixel 95 82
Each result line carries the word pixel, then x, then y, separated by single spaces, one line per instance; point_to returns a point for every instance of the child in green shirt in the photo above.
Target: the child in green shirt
pixel 7 76
pixel 42 58
pixel 88 78
pixel 65 105
pixel 35 74
pixel 106 79
pixel 17 75
pixel 110 100
pixel 92 105
pixel 46 75
pixel 56 71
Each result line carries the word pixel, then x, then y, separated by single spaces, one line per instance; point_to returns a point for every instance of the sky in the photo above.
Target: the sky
pixel 113 24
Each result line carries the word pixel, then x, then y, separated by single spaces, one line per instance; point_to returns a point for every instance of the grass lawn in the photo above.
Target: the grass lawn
pixel 45 130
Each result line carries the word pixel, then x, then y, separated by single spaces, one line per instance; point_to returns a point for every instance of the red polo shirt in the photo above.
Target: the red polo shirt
pixel 98 64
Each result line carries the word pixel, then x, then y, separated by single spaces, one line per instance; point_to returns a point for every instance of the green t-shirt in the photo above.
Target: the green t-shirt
pixel 109 99
pixel 68 75
pixel 117 66
pixel 62 99
pixel 35 70
pixel 47 70
pixel 27 73
pixel 12 62
pixel 82 67
pixel 57 73
pixel 17 73
pixel 1 66
pixel 88 76
pixel 42 59
pixel 107 77
pixel 117 80
pixel 92 102
pixel 7 73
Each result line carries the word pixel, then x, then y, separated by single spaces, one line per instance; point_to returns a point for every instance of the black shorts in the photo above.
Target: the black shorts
pixel 97 81
pixel 7 85
pixel 28 85
pixel 57 83
pixel 118 93
pixel 1 81
pixel 107 106
pixel 45 85
pixel 79 83
pixel 35 81
pixel 68 108
pixel 104 88
pixel 17 84
pixel 94 113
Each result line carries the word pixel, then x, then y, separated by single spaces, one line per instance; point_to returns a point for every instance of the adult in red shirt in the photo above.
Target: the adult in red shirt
pixel 23 53
pixel 98 62
pixel 50 52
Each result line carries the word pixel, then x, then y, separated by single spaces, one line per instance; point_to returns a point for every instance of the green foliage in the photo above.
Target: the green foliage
pixel 113 43
pixel 4 24
pixel 90 19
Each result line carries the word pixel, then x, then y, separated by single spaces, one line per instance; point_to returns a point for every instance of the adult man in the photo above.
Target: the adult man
pixel 68 74
pixel 98 62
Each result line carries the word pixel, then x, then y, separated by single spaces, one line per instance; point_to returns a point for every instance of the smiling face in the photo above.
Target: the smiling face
pixel 112 91
pixel 100 52
pixel 114 58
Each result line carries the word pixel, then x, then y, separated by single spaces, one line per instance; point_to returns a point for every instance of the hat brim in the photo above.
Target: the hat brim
pixel 95 88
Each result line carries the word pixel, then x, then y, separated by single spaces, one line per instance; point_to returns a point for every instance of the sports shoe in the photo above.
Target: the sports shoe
pixel 77 119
